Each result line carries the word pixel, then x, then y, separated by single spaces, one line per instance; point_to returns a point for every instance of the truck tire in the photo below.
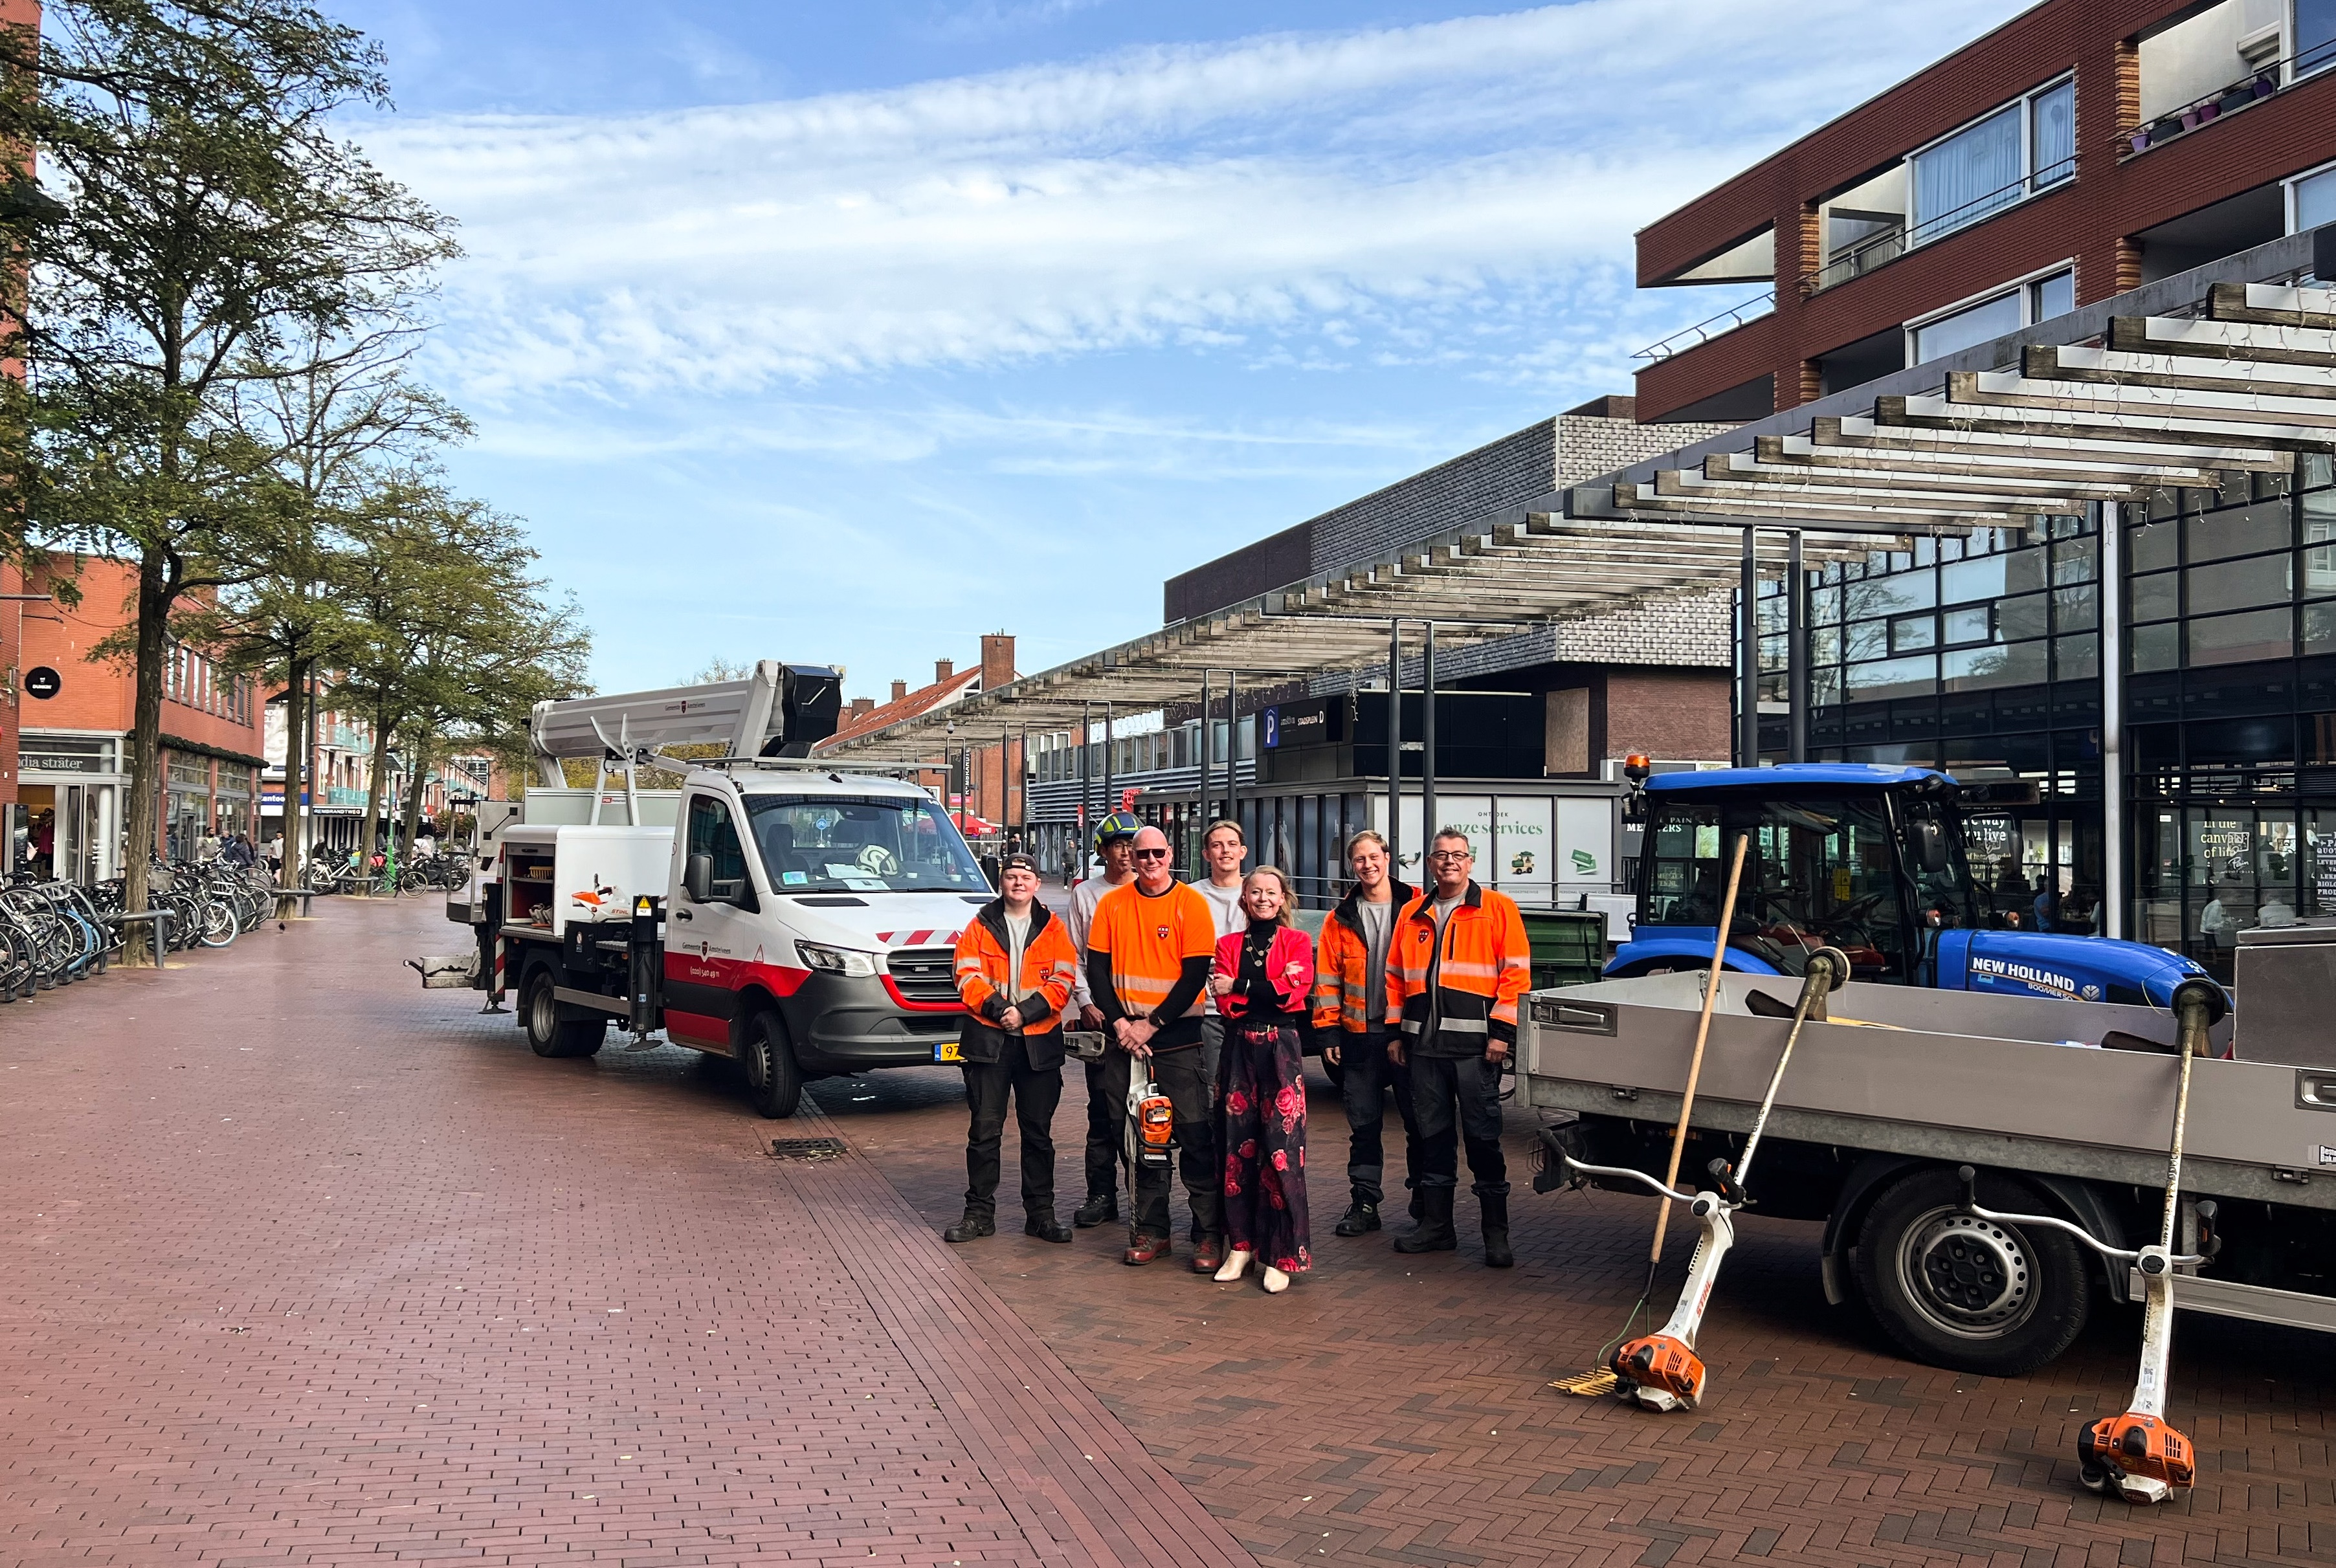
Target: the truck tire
pixel 773 1083
pixel 1965 1293
pixel 549 1034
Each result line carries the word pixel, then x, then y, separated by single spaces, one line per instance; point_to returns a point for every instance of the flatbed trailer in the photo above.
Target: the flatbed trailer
pixel 1884 1103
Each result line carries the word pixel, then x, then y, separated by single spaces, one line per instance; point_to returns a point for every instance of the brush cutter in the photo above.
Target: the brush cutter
pixel 1661 1370
pixel 2137 1455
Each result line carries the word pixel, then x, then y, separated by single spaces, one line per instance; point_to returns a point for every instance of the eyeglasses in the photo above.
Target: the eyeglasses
pixel 1152 855
pixel 1450 856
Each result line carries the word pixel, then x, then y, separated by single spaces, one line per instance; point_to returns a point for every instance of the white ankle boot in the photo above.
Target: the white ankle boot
pixel 1235 1265
pixel 1275 1281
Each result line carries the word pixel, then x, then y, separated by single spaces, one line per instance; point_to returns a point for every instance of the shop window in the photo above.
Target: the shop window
pixel 2241 531
pixel 2244 584
pixel 2155 648
pixel 2153 597
pixel 2242 638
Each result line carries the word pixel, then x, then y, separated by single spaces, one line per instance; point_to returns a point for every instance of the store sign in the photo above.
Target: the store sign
pixel 43 682
pixel 65 754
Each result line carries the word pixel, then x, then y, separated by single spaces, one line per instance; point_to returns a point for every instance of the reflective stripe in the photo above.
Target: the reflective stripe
pixel 1472 971
pixel 1463 1027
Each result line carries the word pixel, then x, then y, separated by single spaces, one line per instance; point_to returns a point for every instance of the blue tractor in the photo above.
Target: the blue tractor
pixel 1870 860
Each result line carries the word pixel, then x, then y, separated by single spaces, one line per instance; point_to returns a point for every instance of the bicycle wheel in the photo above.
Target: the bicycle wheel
pixel 220 924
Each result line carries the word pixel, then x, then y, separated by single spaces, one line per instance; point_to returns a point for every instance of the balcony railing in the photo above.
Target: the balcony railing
pixel 2267 80
pixel 1876 249
pixel 1704 331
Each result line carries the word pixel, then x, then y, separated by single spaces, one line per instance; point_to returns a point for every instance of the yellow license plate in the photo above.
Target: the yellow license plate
pixel 946 1051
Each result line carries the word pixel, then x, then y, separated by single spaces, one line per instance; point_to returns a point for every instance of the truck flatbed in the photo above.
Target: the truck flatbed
pixel 1925 1081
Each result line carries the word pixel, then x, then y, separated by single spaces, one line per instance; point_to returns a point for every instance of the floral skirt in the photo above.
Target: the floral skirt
pixel 1265 1145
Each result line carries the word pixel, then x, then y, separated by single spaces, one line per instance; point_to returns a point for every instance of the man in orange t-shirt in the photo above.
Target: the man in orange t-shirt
pixel 1150 949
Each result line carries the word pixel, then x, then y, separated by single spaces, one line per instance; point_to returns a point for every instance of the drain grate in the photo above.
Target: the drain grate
pixel 806 1148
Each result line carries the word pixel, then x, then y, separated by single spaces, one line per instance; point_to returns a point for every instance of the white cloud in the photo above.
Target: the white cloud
pixel 1296 199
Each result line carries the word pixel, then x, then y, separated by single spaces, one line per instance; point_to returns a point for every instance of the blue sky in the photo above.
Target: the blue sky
pixel 850 333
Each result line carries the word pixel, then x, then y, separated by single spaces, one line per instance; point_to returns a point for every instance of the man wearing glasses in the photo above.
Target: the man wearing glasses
pixel 1150 949
pixel 1457 966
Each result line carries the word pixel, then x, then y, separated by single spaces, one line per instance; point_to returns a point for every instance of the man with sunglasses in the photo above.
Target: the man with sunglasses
pixel 1149 950
pixel 1457 965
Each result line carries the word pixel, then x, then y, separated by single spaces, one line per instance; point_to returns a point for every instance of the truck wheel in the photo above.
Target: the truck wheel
pixel 773 1083
pixel 549 1035
pixel 1966 1293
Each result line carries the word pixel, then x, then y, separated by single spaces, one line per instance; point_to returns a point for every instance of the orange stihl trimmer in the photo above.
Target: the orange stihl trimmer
pixel 2136 1453
pixel 1661 1370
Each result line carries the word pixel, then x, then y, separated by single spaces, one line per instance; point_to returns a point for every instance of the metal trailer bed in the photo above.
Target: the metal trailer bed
pixel 1959 1079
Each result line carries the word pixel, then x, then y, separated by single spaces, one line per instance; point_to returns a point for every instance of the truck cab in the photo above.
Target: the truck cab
pixel 1866 858
pixel 832 902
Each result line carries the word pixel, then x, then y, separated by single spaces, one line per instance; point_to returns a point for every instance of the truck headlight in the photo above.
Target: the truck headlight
pixel 836 960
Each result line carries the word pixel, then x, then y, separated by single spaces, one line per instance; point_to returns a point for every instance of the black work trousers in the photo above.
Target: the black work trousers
pixel 1465 1090
pixel 1367 1077
pixel 1036 1094
pixel 1104 1117
pixel 1180 1076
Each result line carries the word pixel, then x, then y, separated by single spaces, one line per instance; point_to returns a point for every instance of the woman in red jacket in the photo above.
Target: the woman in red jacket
pixel 1262 979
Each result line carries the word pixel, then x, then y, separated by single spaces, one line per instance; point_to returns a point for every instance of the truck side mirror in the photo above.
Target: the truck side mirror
pixel 1930 846
pixel 697 878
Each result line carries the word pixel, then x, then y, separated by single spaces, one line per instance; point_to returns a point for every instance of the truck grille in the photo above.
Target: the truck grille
pixel 924 974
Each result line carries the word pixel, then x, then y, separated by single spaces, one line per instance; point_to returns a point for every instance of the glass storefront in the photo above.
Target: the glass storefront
pixel 1983 657
pixel 67 821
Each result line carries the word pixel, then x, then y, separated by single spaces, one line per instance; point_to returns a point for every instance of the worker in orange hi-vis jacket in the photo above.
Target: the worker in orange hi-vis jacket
pixel 1457 966
pixel 1015 966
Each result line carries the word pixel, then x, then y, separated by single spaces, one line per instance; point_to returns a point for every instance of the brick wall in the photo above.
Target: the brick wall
pixel 1677 716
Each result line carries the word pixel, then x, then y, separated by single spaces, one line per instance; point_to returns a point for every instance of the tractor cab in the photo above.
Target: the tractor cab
pixel 1865 858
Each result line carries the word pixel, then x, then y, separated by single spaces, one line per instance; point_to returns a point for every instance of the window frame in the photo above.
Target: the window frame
pixel 2027 286
pixel 2024 104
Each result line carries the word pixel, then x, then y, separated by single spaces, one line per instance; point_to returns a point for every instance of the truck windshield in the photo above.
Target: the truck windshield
pixel 1821 871
pixel 865 844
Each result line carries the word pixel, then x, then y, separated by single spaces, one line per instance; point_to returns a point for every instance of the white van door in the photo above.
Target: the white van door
pixel 711 945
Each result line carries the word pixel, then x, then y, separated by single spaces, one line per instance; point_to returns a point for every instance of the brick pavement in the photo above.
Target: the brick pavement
pixel 305 1265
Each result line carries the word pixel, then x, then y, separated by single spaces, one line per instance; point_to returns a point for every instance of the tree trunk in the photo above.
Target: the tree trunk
pixel 154 597
pixel 308 756
pixel 295 767
pixel 375 788
pixel 420 768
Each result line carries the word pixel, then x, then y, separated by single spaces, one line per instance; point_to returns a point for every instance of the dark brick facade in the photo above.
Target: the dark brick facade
pixel 2093 218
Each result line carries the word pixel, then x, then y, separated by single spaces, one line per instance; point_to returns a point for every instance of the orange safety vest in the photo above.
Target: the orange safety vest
pixel 1048 964
pixel 1467 984
pixel 1342 957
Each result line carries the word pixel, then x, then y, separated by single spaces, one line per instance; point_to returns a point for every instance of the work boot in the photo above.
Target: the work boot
pixel 1496 1212
pixel 1418 1208
pixel 1434 1233
pixel 1047 1228
pixel 1361 1216
pixel 1143 1249
pixel 972 1228
pixel 1208 1253
pixel 1097 1209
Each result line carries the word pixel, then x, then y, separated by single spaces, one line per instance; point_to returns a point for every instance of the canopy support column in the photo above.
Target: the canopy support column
pixel 2112 616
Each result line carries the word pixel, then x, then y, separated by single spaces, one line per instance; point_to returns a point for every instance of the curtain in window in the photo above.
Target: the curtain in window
pixel 1969 176
pixel 2055 136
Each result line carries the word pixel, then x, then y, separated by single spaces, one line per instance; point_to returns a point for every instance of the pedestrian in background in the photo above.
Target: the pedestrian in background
pixel 1350 1014
pixel 1149 953
pixel 1264 973
pixel 1114 845
pixel 1014 965
pixel 1457 966
pixel 1223 848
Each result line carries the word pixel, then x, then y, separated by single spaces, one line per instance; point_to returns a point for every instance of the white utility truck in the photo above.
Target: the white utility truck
pixel 2060 1108
pixel 798 918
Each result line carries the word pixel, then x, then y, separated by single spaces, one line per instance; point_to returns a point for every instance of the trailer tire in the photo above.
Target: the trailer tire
pixel 773 1082
pixel 1968 1294
pixel 549 1034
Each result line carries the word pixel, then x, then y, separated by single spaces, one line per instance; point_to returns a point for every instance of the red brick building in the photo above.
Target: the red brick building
pixel 72 776
pixel 2082 148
